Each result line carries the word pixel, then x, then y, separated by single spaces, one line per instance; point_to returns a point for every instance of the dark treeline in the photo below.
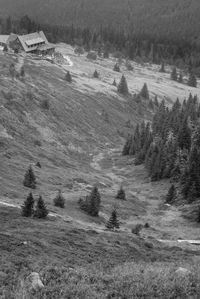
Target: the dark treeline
pixel 170 146
pixel 141 47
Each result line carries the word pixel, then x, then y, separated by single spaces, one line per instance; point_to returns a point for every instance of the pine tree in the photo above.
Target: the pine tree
pixel 192 81
pixel 171 194
pixel 116 68
pixel 174 74
pixel 144 92
pixel 123 87
pixel 59 200
pixel 121 194
pixel 29 178
pixel 96 74
pixel 162 68
pixel 113 221
pixel 27 208
pixel 68 77
pixel 41 210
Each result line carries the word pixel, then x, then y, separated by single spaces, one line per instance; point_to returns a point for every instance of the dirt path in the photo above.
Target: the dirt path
pixel 145 200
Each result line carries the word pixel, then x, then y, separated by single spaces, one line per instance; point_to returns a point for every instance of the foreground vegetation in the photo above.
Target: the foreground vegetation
pixel 87 264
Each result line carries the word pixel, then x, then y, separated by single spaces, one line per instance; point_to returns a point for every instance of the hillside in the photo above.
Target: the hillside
pixel 76 131
pixel 141 16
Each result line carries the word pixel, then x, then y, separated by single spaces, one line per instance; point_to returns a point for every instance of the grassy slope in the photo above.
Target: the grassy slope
pixel 143 14
pixel 76 151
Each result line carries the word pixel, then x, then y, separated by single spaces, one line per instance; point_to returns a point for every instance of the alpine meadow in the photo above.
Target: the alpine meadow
pixel 99 149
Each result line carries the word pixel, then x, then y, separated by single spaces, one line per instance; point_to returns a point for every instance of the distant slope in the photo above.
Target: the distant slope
pixel 178 18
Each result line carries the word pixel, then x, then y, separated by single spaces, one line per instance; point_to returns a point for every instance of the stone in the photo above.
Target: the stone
pixel 35 281
pixel 182 271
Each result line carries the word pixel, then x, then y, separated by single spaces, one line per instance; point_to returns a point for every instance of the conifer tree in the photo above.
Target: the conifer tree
pixel 27 208
pixel 123 87
pixel 180 78
pixel 22 72
pixel 96 74
pixel 68 77
pixel 91 204
pixel 192 81
pixel 29 178
pixel 59 200
pixel 144 92
pixel 162 68
pixel 113 222
pixel 156 101
pixel 121 194
pixel 116 68
pixel 171 194
pixel 94 201
pixel 174 74
pixel 114 83
pixel 40 210
pixel 184 136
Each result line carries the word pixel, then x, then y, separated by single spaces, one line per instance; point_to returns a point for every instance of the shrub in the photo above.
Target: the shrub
pixel 121 194
pixel 38 165
pixel 59 200
pixel 136 230
pixel 79 50
pixel 27 208
pixel 41 210
pixel 96 74
pixel 92 56
pixel 29 178
pixel 22 72
pixel 45 104
pixel 171 194
pixel 129 65
pixel 174 74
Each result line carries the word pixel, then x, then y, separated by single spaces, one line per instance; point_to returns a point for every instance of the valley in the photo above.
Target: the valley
pixel 78 147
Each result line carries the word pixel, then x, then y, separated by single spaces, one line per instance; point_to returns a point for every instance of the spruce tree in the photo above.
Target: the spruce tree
pixel 123 87
pixel 192 81
pixel 59 200
pixel 27 208
pixel 29 178
pixel 113 222
pixel 162 68
pixel 116 68
pixel 114 83
pixel 96 74
pixel 171 194
pixel 94 201
pixel 22 72
pixel 174 74
pixel 41 210
pixel 68 77
pixel 144 92
pixel 180 78
pixel 121 194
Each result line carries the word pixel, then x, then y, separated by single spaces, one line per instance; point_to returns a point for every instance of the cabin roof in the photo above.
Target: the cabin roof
pixel 4 39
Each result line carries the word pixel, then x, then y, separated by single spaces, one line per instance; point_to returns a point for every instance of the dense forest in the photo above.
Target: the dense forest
pixel 170 146
pixel 139 46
